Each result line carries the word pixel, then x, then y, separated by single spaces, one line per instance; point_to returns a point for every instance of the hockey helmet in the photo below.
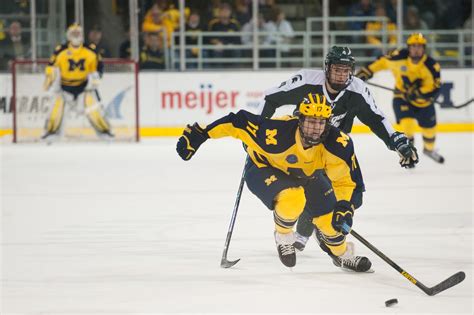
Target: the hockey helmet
pixel 339 56
pixel 314 114
pixel 416 39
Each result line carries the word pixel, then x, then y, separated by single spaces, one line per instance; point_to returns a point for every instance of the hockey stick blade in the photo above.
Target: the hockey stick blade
pixel 446 284
pixel 225 263
pixel 228 263
pixel 464 104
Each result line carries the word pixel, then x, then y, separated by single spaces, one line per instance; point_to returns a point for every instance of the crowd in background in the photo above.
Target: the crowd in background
pixel 159 20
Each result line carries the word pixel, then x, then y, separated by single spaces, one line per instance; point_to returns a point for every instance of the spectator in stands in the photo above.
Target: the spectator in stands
pixel 285 32
pixel 225 23
pixel 268 30
pixel 125 51
pixel 194 26
pixel 2 32
pixel 430 11
pixel 268 37
pixel 242 11
pixel 265 7
pixel 14 46
pixel 391 10
pixel 171 13
pixel 363 8
pixel 151 56
pixel 360 9
pixel 157 21
pixel 455 13
pixel 211 12
pixel 413 20
pixel 95 37
pixel 377 26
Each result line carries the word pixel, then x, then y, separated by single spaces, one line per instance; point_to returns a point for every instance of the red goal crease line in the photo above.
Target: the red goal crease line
pixel 177 131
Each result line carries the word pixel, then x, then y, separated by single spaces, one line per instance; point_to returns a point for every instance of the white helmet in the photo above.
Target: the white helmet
pixel 75 35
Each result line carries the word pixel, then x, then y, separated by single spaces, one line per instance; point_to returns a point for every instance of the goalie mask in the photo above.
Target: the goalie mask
pixel 314 113
pixel 339 67
pixel 75 35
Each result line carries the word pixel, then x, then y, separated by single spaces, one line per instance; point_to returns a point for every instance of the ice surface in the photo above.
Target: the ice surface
pixel 130 228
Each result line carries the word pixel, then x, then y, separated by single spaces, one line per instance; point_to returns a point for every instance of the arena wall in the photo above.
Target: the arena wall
pixel 169 100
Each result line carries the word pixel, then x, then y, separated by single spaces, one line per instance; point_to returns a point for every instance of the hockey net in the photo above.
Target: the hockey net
pixel 118 94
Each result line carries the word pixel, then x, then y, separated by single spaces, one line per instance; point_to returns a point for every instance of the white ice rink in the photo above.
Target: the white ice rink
pixel 131 228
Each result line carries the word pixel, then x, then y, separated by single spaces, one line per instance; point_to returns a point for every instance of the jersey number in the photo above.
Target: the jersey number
pixel 252 128
pixel 354 162
pixel 79 64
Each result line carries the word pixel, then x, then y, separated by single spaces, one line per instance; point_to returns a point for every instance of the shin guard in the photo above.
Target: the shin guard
pixel 334 240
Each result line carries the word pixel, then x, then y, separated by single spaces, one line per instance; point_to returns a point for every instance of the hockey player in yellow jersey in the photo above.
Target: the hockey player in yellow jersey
pixel 73 75
pixel 285 154
pixel 417 84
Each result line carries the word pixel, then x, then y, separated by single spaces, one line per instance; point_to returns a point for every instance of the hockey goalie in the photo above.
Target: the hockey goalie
pixel 72 78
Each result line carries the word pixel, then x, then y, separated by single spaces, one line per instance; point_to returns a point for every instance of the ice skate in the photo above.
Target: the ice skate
pixel 434 155
pixel 107 136
pixel 50 137
pixel 285 248
pixel 319 239
pixel 300 242
pixel 349 262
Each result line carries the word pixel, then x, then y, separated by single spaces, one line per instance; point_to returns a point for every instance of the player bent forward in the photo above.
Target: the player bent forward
pixel 284 156
pixel 75 69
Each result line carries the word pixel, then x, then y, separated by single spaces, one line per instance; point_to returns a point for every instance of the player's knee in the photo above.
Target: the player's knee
pixel 408 126
pixel 336 241
pixel 289 204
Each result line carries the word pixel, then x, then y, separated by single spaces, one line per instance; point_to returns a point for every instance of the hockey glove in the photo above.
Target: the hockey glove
pixel 192 138
pixel 364 74
pixel 343 213
pixel 412 95
pixel 406 151
pixel 93 81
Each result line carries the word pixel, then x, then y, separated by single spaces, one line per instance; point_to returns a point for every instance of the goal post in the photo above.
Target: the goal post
pixel 117 94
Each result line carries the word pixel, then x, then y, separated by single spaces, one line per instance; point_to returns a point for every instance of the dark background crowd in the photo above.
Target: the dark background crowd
pixel 107 24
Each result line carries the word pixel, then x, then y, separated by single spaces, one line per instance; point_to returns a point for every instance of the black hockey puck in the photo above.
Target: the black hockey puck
pixel 391 302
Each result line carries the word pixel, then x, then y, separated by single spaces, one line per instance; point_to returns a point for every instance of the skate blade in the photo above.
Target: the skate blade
pixel 353 271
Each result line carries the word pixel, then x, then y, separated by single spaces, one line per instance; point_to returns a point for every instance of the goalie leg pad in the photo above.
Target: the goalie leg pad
pixel 92 109
pixel 334 240
pixel 56 116
pixel 288 207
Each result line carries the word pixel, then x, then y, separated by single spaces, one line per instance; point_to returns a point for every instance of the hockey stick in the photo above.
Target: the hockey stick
pixel 444 285
pixel 224 262
pixel 468 102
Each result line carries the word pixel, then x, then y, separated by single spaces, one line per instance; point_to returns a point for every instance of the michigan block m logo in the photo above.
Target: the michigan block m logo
pixel 79 64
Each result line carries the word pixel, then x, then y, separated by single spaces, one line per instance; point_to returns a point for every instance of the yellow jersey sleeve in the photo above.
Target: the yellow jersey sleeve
pixel 341 165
